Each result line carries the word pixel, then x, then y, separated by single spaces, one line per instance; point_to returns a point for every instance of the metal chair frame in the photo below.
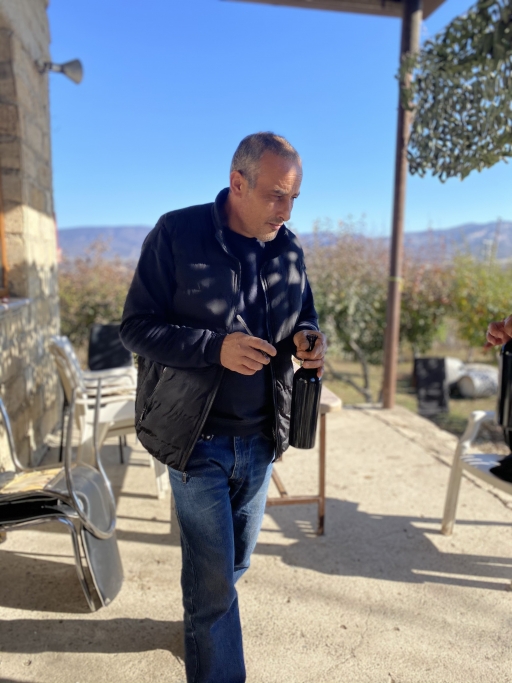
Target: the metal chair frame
pixel 66 505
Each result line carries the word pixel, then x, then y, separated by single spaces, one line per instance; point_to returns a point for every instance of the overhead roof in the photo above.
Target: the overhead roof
pixel 383 8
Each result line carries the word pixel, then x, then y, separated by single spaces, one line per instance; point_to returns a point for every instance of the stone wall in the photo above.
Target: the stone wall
pixel 28 380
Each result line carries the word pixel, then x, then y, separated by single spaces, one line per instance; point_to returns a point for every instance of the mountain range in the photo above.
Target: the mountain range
pixel 480 239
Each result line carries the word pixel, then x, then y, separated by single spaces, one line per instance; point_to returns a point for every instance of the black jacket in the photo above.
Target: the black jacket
pixel 181 305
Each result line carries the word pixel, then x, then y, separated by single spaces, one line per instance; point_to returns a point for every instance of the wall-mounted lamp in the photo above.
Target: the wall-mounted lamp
pixel 72 69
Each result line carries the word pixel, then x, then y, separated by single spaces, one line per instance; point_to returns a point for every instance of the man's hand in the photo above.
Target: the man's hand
pixel 315 358
pixel 499 332
pixel 242 353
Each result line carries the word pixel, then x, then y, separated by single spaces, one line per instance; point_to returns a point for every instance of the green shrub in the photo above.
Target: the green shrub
pixel 92 290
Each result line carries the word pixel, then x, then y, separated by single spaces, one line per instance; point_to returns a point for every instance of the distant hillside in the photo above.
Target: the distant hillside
pixel 124 242
pixel 478 239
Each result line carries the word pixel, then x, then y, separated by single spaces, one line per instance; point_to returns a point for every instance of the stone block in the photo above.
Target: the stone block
pixel 16 250
pixel 24 62
pixel 30 161
pixel 40 227
pixel 37 198
pixel 44 175
pixel 46 149
pixel 11 365
pixel 9 119
pixel 15 394
pixel 13 217
pixel 5 44
pixel 30 95
pixel 12 187
pixel 7 85
pixel 10 153
pixel 17 282
pixel 31 133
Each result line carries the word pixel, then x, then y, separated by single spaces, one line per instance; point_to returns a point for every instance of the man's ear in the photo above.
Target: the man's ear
pixel 237 183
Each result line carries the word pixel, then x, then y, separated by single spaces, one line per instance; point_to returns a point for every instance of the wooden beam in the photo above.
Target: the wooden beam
pixel 389 8
pixel 382 8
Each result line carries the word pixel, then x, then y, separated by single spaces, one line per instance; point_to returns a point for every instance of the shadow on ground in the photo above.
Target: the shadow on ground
pixel 91 636
pixel 32 582
pixel 385 547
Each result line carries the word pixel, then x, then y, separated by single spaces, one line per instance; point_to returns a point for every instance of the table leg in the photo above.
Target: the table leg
pixel 279 484
pixel 321 478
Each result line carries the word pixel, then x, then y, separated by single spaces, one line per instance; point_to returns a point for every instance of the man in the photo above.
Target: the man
pixel 213 400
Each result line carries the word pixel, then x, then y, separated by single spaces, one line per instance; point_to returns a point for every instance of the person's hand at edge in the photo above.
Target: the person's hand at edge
pixel 314 358
pixel 245 354
pixel 499 332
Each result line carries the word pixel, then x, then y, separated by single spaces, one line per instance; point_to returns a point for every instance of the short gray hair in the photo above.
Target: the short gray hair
pixel 246 159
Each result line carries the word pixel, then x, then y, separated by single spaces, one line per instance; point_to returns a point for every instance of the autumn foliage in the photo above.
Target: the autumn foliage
pixel 92 289
pixel 348 272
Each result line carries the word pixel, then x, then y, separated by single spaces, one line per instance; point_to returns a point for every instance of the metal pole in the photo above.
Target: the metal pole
pixel 411 27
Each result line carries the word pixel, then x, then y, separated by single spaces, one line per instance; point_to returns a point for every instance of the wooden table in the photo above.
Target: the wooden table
pixel 329 403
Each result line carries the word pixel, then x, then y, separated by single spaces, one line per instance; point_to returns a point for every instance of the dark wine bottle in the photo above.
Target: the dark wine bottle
pixel 307 387
pixel 504 407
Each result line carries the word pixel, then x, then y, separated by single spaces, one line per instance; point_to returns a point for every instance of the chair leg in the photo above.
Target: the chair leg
pixel 452 494
pixel 75 537
pixel 161 477
pixel 65 411
pixel 121 453
pixel 3 536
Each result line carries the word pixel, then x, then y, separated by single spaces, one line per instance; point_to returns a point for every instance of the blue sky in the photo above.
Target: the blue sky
pixel 171 87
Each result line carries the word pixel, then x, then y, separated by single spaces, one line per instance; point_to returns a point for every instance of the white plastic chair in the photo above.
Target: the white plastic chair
pixel 114 380
pixel 125 376
pixel 117 413
pixel 476 464
pixel 117 404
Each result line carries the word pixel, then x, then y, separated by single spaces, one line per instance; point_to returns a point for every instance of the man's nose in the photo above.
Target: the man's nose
pixel 285 210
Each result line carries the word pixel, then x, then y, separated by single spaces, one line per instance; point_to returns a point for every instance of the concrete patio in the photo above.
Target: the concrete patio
pixel 383 597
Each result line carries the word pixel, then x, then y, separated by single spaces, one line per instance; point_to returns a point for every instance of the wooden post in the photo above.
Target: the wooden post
pixel 411 27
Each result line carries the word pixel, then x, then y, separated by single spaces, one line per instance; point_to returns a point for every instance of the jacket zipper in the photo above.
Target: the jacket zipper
pixel 202 419
pixel 145 410
pixel 272 374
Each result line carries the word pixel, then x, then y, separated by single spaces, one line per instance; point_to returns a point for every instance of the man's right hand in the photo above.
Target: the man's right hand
pixel 499 332
pixel 242 353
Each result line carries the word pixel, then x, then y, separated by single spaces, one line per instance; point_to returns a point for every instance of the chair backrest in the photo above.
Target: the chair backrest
pixel 106 350
pixel 61 348
pixel 71 378
pixel 10 462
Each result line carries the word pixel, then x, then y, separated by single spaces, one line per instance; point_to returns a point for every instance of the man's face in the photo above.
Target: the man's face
pixel 263 209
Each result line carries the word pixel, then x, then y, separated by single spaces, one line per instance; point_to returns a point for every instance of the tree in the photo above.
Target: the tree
pixel 349 276
pixel 460 94
pixel 348 272
pixel 481 292
pixel 92 290
pixel 425 302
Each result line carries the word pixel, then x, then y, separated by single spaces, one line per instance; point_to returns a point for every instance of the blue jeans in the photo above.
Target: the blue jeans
pixel 220 501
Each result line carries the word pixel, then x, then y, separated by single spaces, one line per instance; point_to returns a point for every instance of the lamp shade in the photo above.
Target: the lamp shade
pixel 73 70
